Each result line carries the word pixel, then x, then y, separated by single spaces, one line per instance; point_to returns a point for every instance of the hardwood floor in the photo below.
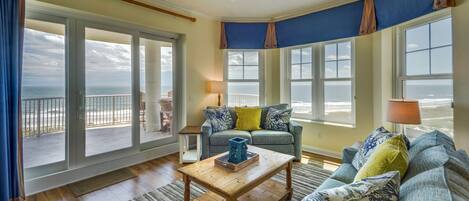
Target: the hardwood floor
pixel 150 175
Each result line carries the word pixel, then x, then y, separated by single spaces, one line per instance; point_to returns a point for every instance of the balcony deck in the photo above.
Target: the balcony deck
pixel 50 148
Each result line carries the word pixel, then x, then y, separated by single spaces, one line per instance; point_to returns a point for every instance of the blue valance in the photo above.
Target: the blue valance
pixel 390 13
pixel 330 24
pixel 245 35
pixel 339 22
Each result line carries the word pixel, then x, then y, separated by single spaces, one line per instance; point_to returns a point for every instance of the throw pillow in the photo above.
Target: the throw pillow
pixel 220 118
pixel 384 187
pixel 377 137
pixel 278 120
pixel 392 155
pixel 249 118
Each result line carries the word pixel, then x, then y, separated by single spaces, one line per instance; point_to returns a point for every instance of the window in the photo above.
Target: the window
pixel 426 73
pixel 321 82
pixel 244 77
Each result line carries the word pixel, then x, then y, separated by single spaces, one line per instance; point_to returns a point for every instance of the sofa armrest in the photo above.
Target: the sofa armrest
pixel 297 131
pixel 206 133
pixel 348 154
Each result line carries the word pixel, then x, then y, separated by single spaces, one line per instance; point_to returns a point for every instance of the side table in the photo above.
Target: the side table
pixel 186 154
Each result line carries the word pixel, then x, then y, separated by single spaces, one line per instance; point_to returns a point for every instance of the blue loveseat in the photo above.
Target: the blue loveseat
pixel 284 142
pixel 436 170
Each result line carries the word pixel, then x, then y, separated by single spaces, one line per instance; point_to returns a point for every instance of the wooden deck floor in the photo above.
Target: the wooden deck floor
pixel 150 175
pixel 50 148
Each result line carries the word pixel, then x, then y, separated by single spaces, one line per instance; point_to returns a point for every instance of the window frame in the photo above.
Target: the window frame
pixel 260 79
pixel 401 52
pixel 318 79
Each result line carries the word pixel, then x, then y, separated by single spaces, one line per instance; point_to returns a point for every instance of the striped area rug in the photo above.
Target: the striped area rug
pixel 305 179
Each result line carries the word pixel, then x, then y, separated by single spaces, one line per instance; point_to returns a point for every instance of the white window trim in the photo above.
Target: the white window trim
pixel 401 52
pixel 261 78
pixel 318 79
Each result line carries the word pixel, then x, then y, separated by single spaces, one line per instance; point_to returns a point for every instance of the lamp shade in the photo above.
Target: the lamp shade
pixel 404 111
pixel 217 87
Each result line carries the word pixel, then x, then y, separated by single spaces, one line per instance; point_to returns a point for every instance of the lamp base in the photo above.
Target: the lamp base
pixel 219 98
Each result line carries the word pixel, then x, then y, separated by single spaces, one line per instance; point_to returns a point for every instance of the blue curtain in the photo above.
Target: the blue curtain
pixel 11 42
pixel 245 35
pixel 335 23
pixel 390 13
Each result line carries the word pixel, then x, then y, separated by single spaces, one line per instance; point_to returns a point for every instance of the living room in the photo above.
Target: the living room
pixel 234 100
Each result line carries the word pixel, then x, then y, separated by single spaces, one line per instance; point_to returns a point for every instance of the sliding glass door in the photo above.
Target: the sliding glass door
pixel 43 100
pixel 93 92
pixel 108 93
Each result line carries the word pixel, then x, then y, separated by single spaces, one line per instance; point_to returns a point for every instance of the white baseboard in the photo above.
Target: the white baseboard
pixel 69 176
pixel 321 151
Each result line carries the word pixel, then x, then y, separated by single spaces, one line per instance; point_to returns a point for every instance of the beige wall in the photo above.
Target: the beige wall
pixel 461 73
pixel 203 58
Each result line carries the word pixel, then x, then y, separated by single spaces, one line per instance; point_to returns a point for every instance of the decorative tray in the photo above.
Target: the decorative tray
pixel 222 161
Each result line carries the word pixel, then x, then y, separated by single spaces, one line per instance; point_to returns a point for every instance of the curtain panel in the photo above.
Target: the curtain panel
pixel 271 37
pixel 11 42
pixel 368 24
pixel 245 35
pixel 441 4
pixel 223 42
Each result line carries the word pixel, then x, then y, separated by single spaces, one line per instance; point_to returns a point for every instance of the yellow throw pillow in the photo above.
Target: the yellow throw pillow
pixel 249 118
pixel 392 155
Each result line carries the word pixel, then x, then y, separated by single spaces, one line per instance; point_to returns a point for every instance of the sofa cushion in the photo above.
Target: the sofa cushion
pixel 265 110
pixel 249 118
pixel 448 182
pixel 271 137
pixel 434 157
pixel 375 138
pixel 329 183
pixel 220 118
pixel 345 173
pixel 278 120
pixel 381 187
pixel 221 138
pixel 428 140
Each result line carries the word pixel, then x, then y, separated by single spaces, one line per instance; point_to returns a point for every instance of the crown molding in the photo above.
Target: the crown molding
pixel 178 8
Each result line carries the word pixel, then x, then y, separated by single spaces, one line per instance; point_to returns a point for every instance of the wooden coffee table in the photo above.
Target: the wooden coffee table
pixel 251 183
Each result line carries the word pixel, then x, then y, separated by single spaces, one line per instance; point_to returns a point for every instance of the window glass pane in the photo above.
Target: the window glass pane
pixel 435 97
pixel 441 33
pixel 43 93
pixel 306 71
pixel 338 101
pixel 295 56
pixel 345 50
pixel 442 60
pixel 301 97
pixel 235 58
pixel 296 71
pixel 251 72
pixel 418 63
pixel 108 83
pixel 306 55
pixel 156 90
pixel 330 69
pixel 330 52
pixel 345 69
pixel 235 72
pixel 243 93
pixel 417 38
pixel 251 58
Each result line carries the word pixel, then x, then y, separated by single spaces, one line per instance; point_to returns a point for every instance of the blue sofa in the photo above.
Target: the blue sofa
pixel 436 170
pixel 284 142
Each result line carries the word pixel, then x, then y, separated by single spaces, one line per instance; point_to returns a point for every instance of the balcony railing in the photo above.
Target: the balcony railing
pixel 47 115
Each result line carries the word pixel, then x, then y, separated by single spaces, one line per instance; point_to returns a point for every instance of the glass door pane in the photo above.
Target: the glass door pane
pixel 156 90
pixel 43 93
pixel 108 84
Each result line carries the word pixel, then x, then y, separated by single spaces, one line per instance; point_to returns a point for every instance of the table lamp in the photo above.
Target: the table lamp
pixel 404 112
pixel 216 87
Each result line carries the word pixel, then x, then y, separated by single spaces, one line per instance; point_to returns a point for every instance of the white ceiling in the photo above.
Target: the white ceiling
pixel 247 9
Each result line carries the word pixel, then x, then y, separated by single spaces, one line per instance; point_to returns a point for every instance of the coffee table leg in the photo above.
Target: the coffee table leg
pixel 289 185
pixel 187 188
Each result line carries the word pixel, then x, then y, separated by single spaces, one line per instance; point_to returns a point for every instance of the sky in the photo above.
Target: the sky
pixel 107 64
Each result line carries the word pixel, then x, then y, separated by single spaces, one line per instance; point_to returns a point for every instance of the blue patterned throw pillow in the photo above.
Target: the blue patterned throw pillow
pixel 278 120
pixel 220 118
pixel 383 187
pixel 375 138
